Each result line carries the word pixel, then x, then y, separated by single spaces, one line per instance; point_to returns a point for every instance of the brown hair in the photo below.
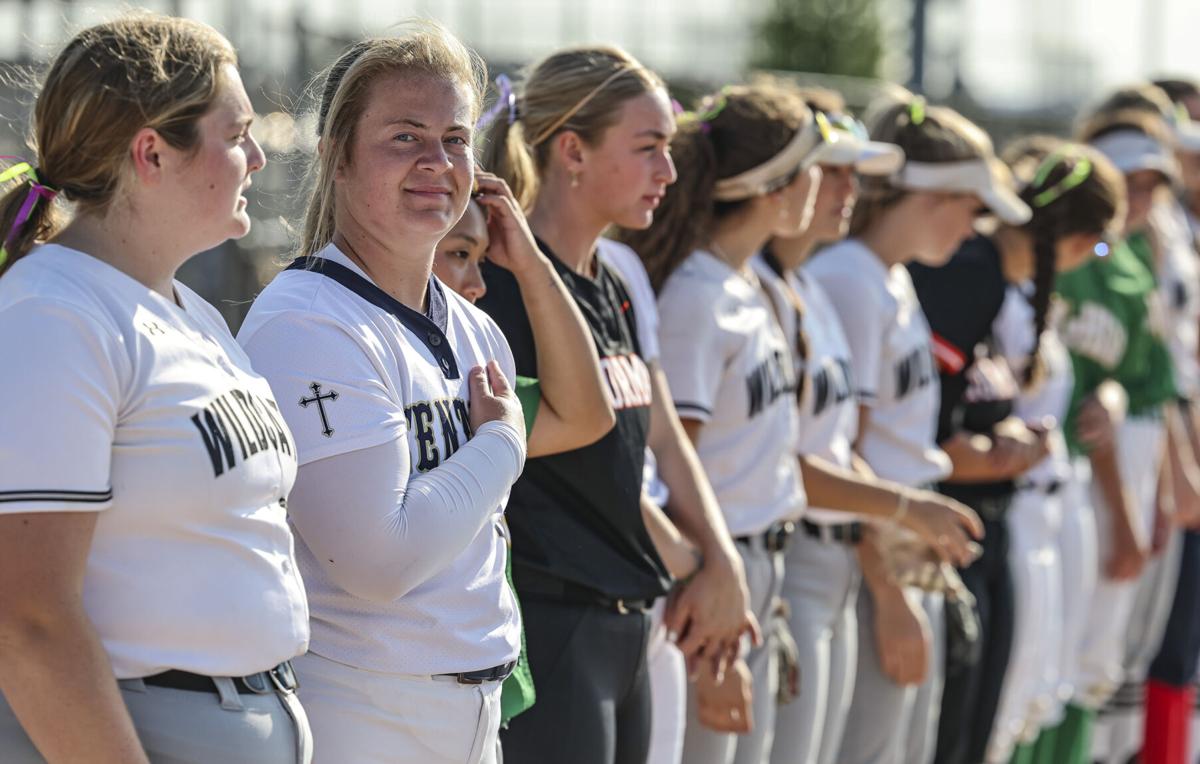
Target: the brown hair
pixel 746 125
pixel 1095 206
pixel 109 82
pixel 1137 120
pixel 823 99
pixel 426 49
pixel 927 134
pixel 1178 89
pixel 577 89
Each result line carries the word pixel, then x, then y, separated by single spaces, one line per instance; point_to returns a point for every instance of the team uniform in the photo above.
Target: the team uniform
pixel 1031 695
pixel 398 508
pixel 961 301
pixel 123 403
pixel 892 364
pixel 665 662
pixel 821 570
pixel 1113 329
pixel 583 564
pixel 730 368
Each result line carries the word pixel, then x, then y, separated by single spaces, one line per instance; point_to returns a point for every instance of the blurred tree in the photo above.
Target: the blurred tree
pixel 823 36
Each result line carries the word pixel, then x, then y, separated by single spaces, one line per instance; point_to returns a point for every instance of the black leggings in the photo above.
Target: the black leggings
pixel 593 690
pixel 1176 661
pixel 972 693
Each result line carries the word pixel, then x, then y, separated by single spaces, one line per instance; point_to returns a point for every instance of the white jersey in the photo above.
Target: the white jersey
pixel 1013 331
pixel 394 378
pixel 828 406
pixel 121 402
pixel 892 361
pixel 629 267
pixel 730 368
pixel 1178 278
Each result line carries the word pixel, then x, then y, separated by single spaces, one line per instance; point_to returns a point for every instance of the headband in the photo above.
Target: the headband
pixel 571 112
pixel 37 190
pixel 982 177
pixel 797 154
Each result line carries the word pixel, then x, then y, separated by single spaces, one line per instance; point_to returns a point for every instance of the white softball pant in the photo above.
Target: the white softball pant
pixel 371 718
pixel 820 585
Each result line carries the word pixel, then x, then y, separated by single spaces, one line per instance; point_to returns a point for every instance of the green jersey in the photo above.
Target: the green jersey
pixel 1114 328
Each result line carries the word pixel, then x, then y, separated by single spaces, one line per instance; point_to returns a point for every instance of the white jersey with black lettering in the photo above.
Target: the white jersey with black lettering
pixel 828 406
pixel 351 375
pixel 1178 276
pixel 892 361
pixel 145 411
pixel 730 368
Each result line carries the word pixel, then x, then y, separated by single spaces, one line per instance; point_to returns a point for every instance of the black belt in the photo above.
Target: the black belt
pixel 774 539
pixel 844 533
pixel 493 674
pixel 280 678
pixel 1049 489
pixel 538 585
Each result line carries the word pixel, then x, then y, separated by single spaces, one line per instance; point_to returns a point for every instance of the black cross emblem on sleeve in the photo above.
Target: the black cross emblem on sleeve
pixel 319 399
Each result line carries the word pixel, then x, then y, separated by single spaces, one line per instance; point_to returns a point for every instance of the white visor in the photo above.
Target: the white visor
pixel 988 179
pixel 867 157
pixel 799 154
pixel 1133 150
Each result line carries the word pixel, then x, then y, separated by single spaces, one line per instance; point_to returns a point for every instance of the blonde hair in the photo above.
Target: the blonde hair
pixel 577 89
pixel 927 133
pixel 427 49
pixel 109 82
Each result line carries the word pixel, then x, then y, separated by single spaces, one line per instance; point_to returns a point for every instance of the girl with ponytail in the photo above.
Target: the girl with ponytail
pixel 584 144
pixel 1076 199
pixel 922 211
pixel 149 600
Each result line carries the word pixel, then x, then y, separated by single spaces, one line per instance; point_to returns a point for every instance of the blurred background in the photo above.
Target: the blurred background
pixel 1014 65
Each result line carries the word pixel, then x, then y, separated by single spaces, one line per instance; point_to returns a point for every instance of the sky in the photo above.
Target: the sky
pixel 1011 53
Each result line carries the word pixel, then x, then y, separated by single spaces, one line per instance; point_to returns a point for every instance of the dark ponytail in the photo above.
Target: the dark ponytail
pixel 1044 257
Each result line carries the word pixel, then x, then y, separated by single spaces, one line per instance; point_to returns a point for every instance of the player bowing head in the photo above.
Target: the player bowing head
pixel 408 434
pixel 145 558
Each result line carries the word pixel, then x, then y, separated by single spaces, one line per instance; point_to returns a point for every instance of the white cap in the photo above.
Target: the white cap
pixel 989 179
pixel 1133 150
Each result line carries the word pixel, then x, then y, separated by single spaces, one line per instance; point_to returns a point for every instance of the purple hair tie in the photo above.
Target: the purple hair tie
pixel 37 190
pixel 506 100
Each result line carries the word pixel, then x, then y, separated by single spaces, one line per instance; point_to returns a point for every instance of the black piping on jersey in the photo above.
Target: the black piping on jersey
pixel 430 329
pixel 50 494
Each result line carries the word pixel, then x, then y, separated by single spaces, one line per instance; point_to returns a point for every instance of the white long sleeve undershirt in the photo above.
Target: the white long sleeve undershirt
pixel 378 532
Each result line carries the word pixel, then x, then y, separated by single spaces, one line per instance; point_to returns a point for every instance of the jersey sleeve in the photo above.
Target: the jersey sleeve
pixel 331 384
pixel 865 314
pixel 503 304
pixel 691 350
pixel 59 408
pixel 628 266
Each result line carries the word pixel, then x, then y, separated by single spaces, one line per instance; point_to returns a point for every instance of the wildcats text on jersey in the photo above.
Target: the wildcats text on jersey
pixel 425 418
pixel 914 371
pixel 769 380
pixel 831 384
pixel 255 424
pixel 628 381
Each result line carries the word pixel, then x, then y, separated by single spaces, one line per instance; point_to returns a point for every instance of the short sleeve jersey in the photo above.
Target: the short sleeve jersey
pixel 961 300
pixel 576 516
pixel 351 375
pixel 730 367
pixel 1114 327
pixel 121 402
pixel 626 263
pixel 892 361
pixel 828 421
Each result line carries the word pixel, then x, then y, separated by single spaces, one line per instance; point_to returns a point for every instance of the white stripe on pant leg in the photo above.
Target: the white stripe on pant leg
pixel 820 581
pixel 1079 564
pixel 668 693
pixel 367 717
pixel 918 737
pixel 1139 451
